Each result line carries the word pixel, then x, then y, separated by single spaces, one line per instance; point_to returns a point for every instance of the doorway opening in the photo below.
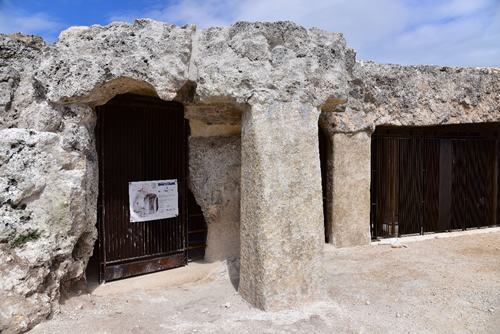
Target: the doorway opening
pixel 323 157
pixel 143 195
pixel 434 179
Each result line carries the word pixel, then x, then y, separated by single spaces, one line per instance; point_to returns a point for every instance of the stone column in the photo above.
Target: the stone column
pixel 281 233
pixel 351 156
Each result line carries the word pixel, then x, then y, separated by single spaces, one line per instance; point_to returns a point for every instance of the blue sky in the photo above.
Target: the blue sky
pixel 440 32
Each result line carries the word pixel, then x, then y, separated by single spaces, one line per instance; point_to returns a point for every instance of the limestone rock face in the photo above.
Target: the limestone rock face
pixel 417 96
pixel 93 64
pixel 263 62
pixel 46 232
pixel 12 50
pixel 16 61
pixel 9 80
pixel 282 232
pixel 220 74
pixel 265 83
pixel 285 74
pixel 32 41
pixel 215 173
pixel 350 194
pixel 47 191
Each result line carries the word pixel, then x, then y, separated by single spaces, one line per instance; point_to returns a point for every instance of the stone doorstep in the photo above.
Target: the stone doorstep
pixel 193 272
pixel 415 238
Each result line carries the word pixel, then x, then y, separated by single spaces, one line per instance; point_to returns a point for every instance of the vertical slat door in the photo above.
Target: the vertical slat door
pixel 476 183
pixel 458 191
pixel 431 152
pixel 139 139
pixel 410 199
pixel 435 179
pixel 386 171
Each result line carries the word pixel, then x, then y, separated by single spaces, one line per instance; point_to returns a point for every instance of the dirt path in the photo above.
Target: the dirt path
pixel 444 285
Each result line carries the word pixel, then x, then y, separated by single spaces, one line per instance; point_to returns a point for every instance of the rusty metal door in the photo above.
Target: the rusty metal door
pixel 139 139
pixel 434 179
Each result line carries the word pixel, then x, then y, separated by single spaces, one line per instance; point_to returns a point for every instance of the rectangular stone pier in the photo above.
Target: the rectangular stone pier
pixel 350 195
pixel 282 233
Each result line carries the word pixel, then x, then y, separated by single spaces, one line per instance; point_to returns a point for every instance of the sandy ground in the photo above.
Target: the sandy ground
pixel 440 285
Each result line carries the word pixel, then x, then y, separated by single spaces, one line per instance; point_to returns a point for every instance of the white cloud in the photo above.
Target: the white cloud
pixel 455 32
pixel 204 14
pixel 13 19
pixel 461 35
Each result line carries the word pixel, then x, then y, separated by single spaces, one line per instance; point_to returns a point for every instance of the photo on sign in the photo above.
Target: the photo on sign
pixel 152 200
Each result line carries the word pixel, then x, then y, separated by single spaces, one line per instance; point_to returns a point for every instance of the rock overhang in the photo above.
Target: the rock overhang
pixel 252 63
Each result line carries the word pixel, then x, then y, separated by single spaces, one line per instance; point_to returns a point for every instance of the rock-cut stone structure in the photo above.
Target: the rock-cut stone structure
pixel 255 95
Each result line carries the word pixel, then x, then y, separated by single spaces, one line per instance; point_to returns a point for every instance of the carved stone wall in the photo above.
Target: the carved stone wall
pixel 255 89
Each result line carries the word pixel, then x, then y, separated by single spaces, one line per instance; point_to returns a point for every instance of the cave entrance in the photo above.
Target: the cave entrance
pixel 143 195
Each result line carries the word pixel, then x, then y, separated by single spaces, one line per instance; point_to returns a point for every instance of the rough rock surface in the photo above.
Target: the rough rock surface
pixel 417 96
pixel 93 64
pixel 214 179
pixel 32 41
pixel 282 232
pixel 350 195
pixel 17 59
pixel 259 63
pixel 285 74
pixel 276 76
pixel 15 53
pixel 219 73
pixel 47 193
pixel 384 94
pixel 46 229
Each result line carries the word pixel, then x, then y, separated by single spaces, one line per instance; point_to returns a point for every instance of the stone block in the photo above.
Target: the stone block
pixel 282 234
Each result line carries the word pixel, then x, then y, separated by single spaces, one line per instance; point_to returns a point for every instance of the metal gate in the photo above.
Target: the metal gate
pixel 434 179
pixel 139 139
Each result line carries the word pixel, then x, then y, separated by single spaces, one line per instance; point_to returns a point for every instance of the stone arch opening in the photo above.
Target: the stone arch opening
pixel 104 94
pixel 214 129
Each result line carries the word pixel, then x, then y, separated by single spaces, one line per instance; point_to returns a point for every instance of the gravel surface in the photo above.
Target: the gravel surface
pixel 442 285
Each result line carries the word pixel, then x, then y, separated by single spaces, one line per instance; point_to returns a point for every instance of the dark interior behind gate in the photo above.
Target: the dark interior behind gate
pixel 431 179
pixel 140 139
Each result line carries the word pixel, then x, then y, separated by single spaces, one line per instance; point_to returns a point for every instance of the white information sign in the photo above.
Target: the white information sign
pixel 152 200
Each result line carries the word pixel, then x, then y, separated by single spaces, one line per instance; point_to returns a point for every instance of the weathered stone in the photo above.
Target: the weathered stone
pixel 45 222
pixel 32 41
pixel 216 112
pixel 277 76
pixel 262 62
pixel 214 169
pixel 9 80
pixel 281 207
pixel 417 96
pixel 15 52
pixel 200 129
pixel 86 60
pixel 399 96
pixel 350 198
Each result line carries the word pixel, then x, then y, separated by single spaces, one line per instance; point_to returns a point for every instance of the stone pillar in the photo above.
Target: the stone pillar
pixel 281 235
pixel 351 156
